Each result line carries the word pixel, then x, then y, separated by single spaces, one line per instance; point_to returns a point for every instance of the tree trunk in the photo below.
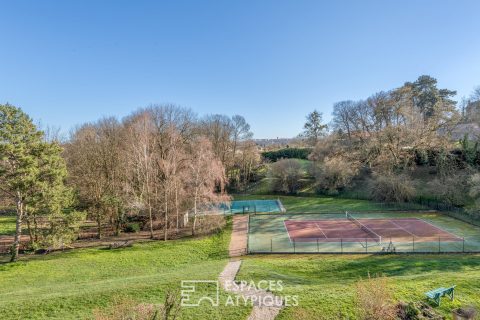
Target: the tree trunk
pixel 176 206
pixel 35 228
pixel 18 228
pixel 165 231
pixel 194 213
pixel 29 228
pixel 150 218
pixel 99 226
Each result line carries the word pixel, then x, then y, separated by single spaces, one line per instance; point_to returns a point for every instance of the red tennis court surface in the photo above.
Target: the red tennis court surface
pixel 381 230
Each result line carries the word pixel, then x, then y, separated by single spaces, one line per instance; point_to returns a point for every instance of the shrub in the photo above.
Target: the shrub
pixel 128 309
pixel 392 188
pixel 467 312
pixel 407 311
pixel 287 153
pixel 417 311
pixel 375 299
pixel 335 174
pixel 450 189
pixel 209 224
pixel 286 175
pixel 132 227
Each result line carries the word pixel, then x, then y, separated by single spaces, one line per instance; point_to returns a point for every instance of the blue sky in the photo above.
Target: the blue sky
pixel 69 62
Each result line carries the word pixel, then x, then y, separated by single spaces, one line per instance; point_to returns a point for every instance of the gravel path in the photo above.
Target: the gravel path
pixel 265 305
pixel 238 242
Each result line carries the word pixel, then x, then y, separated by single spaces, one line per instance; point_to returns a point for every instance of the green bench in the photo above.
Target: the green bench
pixel 436 294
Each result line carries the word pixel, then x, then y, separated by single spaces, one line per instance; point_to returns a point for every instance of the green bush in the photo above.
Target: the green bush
pixel 132 227
pixel 392 188
pixel 287 153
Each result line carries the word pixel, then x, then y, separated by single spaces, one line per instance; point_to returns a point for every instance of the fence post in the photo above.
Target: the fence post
pixel 366 246
pixel 438 244
pixel 341 245
pixel 413 243
pixel 318 248
pixel 294 250
pixel 463 245
pixel 248 235
pixel 271 244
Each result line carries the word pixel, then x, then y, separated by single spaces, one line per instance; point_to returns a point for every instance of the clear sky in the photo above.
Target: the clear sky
pixel 69 62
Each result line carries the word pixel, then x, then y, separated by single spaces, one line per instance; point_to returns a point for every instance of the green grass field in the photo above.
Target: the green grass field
pixel 7 225
pixel 325 284
pixel 324 204
pixel 263 186
pixel 71 285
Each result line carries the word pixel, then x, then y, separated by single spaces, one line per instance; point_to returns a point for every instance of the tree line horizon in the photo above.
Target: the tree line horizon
pixel 164 160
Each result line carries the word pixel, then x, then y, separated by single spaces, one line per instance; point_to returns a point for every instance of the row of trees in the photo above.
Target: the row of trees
pixel 390 134
pixel 158 162
pixel 232 144
pixel 153 166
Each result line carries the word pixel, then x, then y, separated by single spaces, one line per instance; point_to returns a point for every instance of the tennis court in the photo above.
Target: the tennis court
pixel 256 206
pixel 370 230
pixel 428 232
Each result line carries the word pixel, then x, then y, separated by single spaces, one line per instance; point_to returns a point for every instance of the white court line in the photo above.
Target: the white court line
pixel 441 229
pixel 286 229
pixel 414 235
pixel 321 230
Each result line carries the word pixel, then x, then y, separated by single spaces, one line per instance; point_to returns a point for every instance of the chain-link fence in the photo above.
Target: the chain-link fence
pixel 268 234
pixel 280 244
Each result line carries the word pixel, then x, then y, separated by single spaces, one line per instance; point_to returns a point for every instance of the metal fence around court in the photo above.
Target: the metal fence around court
pixel 269 234
pixel 281 245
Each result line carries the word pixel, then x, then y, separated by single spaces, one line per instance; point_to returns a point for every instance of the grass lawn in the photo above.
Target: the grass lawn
pixel 71 285
pixel 7 225
pixel 325 284
pixel 321 204
pixel 263 186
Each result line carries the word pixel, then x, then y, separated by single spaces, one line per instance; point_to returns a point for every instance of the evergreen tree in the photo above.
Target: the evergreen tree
pixel 32 173
pixel 313 128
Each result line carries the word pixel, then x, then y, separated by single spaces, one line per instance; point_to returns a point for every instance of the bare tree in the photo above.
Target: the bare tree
pixel 206 176
pixel 286 175
pixel 141 146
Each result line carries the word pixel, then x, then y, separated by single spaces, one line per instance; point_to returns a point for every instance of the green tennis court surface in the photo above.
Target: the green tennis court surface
pixel 256 206
pixel 300 233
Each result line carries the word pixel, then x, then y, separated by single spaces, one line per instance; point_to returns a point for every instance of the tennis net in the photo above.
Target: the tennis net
pixel 372 233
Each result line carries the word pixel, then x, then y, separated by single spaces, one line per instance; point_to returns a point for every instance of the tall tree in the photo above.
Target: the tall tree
pixel 206 174
pixel 31 171
pixel 428 98
pixel 94 157
pixel 141 161
pixel 313 128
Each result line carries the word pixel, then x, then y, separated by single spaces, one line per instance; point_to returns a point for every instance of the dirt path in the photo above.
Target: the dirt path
pixel 238 242
pixel 265 305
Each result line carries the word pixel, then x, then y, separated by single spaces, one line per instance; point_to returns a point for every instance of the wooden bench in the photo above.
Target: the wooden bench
pixel 436 294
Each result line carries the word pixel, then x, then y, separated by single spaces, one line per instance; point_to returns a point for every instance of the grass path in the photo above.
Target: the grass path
pixel 265 306
pixel 238 241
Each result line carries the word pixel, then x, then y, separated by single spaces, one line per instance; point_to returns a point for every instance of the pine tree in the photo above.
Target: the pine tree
pixel 32 173
pixel 313 128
